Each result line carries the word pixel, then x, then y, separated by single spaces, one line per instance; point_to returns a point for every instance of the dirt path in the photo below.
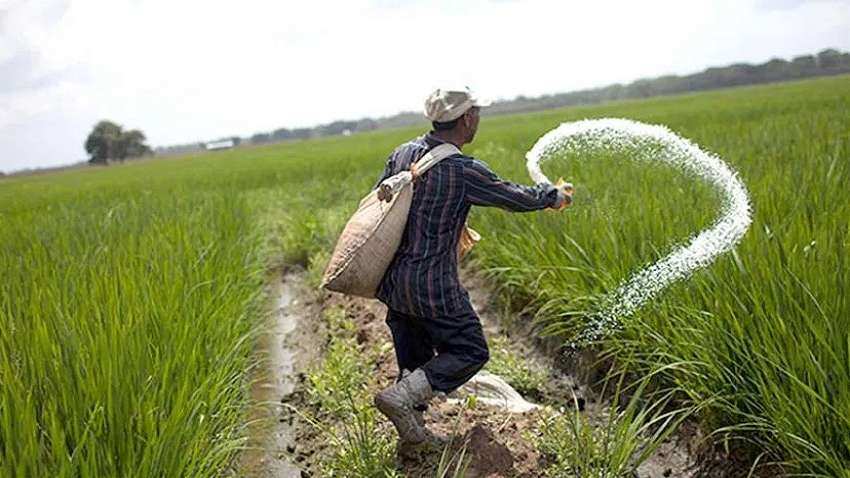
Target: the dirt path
pixel 497 443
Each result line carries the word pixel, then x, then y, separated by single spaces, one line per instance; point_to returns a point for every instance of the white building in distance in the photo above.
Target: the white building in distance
pixel 222 144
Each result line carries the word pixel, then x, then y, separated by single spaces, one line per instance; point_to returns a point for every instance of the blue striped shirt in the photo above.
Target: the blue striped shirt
pixel 422 279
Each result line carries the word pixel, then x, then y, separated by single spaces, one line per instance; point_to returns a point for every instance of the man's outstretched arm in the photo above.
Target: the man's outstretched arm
pixel 485 188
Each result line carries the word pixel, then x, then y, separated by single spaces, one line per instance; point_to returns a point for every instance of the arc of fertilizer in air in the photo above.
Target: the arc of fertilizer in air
pixel 646 142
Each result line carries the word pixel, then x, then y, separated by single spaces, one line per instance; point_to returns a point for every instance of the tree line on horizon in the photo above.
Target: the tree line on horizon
pixel 824 63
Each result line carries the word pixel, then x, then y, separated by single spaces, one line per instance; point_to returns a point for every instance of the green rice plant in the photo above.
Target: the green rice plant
pixel 453 465
pixel 527 379
pixel 316 267
pixel 614 442
pixel 308 232
pixel 346 416
pixel 342 373
pixel 125 341
pixel 358 451
pixel 454 461
pixel 130 302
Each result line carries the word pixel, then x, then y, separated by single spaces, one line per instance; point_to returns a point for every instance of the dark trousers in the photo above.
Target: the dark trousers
pixel 449 350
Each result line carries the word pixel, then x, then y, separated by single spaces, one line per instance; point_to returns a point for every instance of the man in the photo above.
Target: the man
pixel 438 339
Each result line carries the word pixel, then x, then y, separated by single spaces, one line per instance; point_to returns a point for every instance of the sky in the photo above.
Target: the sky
pixel 187 70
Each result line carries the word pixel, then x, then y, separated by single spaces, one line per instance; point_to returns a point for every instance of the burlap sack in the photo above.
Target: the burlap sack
pixel 371 237
pixel 367 245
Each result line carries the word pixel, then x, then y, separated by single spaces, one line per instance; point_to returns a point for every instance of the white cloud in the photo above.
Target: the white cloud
pixel 192 70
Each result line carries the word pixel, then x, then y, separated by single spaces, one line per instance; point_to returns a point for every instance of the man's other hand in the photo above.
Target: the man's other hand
pixel 565 194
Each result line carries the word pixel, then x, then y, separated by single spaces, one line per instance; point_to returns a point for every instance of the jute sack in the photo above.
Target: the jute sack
pixel 371 237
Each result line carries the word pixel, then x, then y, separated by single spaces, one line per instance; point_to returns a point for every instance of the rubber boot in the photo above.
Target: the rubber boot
pixel 419 413
pixel 397 402
pixel 419 408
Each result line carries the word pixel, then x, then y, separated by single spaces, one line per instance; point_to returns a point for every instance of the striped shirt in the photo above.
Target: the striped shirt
pixel 422 279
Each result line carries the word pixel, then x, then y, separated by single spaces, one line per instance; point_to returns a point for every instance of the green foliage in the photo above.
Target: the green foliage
pixel 130 298
pixel 612 443
pixel 759 328
pixel 528 380
pixel 358 451
pixel 130 294
pixel 102 142
pixel 342 374
pixel 108 141
pixel 338 387
pixel 125 340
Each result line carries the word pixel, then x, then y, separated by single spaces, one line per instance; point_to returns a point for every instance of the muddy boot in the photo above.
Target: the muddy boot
pixel 419 408
pixel 397 402
pixel 432 439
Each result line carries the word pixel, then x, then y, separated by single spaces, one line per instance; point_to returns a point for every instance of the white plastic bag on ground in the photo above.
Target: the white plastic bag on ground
pixel 490 389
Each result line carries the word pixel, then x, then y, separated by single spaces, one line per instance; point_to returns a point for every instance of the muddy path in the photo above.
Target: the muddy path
pixel 495 442
pixel 286 348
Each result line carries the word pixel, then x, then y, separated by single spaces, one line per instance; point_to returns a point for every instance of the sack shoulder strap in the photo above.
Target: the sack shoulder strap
pixel 432 157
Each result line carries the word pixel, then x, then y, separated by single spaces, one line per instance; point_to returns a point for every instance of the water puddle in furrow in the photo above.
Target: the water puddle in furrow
pixel 271 429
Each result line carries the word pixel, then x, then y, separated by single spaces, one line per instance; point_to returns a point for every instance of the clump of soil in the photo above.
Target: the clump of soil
pixel 489 455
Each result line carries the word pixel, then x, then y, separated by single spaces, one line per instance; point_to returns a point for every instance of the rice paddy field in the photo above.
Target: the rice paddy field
pixel 132 295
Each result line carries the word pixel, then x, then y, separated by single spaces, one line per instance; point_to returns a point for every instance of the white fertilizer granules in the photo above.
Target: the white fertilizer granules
pixel 645 142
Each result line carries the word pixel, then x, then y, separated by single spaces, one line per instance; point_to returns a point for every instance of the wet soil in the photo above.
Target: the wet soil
pixel 287 348
pixel 496 443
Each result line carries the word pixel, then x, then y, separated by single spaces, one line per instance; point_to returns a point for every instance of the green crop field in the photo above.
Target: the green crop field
pixel 131 295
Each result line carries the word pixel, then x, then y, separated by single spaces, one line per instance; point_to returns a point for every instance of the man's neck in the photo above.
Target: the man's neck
pixel 449 137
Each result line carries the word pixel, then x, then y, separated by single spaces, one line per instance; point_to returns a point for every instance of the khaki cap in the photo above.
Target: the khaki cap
pixel 445 105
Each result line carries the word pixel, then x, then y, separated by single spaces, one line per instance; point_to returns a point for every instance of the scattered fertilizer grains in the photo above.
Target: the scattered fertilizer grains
pixel 651 143
pixel 131 294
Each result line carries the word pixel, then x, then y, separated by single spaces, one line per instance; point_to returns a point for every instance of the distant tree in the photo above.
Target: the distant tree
pixel 259 138
pixel 337 127
pixel 302 133
pixel 236 140
pixel 102 142
pixel 774 70
pixel 132 145
pixel 805 62
pixel 366 124
pixel 829 58
pixel 281 134
pixel 108 141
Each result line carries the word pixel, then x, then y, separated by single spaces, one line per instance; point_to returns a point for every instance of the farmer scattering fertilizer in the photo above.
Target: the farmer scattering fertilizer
pixel 438 339
pixel 422 200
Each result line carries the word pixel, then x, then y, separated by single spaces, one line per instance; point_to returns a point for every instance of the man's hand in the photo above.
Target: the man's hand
pixel 565 194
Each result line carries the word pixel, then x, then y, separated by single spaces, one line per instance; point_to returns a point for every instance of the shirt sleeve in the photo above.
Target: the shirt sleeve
pixel 485 188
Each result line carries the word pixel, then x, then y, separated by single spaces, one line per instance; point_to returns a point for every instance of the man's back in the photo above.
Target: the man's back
pixel 422 280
